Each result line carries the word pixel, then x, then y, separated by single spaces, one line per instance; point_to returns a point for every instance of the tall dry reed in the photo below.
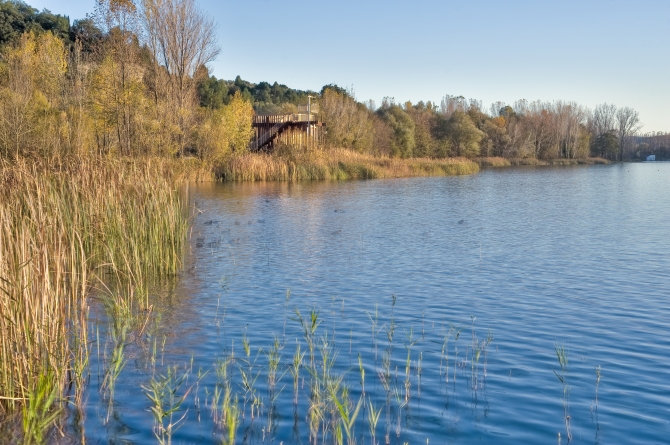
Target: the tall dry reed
pixel 336 164
pixel 64 228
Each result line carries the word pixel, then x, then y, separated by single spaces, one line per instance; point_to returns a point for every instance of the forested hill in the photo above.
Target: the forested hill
pixel 267 98
pixel 17 17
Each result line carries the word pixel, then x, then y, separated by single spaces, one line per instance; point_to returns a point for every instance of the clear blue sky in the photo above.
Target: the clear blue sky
pixel 589 51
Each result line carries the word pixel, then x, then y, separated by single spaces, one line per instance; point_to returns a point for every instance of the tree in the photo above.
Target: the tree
pixel 463 135
pixel 212 92
pixel 237 119
pixel 440 133
pixel 538 123
pixel 30 95
pixel 603 119
pixel 507 112
pixel 337 89
pixel 496 138
pixel 12 22
pixel 17 18
pixel 606 145
pixel 225 130
pixel 382 136
pixel 569 119
pixel 80 130
pixel 628 123
pixel 87 33
pixel 58 24
pixel 425 118
pixel 449 104
pixel 402 127
pixel 119 75
pixel 117 100
pixel 349 125
pixel 182 39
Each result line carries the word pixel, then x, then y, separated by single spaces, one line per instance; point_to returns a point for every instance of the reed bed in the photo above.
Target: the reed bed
pixel 506 162
pixel 495 161
pixel 336 164
pixel 534 161
pixel 64 229
pixel 181 170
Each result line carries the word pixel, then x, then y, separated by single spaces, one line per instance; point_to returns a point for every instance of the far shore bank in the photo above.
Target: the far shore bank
pixel 343 164
pixel 508 162
pixel 334 164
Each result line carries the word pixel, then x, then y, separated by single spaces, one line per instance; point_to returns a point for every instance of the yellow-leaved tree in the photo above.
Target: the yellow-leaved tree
pixel 225 131
pixel 117 100
pixel 30 93
pixel 117 89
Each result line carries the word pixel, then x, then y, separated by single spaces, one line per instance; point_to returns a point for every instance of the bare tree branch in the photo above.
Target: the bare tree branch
pixel 628 124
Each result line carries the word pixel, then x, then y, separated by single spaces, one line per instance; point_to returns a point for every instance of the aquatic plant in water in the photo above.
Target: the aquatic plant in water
pixel 166 396
pixel 562 355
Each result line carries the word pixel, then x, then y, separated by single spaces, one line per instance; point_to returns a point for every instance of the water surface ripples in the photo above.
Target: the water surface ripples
pixel 576 256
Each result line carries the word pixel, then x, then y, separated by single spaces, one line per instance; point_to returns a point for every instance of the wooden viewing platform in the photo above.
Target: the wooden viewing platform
pixel 286 128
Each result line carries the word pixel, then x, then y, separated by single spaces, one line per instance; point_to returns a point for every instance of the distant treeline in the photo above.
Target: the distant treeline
pixel 118 82
pixel 657 144
pixel 460 127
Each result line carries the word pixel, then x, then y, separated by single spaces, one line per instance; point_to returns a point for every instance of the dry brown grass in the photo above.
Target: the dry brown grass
pixel 495 161
pixel 597 161
pixel 336 164
pixel 187 169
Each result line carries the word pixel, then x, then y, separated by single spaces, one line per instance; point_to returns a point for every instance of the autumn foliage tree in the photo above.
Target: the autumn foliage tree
pixel 463 135
pixel 30 96
pixel 349 122
pixel 226 130
pixel 182 40
pixel 117 88
pixel 122 82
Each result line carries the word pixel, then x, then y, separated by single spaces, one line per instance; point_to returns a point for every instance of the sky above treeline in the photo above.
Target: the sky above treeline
pixel 588 51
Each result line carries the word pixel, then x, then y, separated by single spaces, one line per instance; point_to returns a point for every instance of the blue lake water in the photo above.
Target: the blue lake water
pixel 533 257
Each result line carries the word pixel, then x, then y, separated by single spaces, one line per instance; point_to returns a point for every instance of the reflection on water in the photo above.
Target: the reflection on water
pixel 438 304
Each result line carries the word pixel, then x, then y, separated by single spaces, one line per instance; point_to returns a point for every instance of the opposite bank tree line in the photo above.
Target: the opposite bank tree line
pixel 131 79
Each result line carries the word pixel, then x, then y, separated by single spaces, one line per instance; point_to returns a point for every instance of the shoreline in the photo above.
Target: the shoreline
pixel 513 162
pixel 335 164
pixel 343 164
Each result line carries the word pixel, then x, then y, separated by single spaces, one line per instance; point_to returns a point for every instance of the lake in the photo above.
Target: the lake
pixel 455 292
